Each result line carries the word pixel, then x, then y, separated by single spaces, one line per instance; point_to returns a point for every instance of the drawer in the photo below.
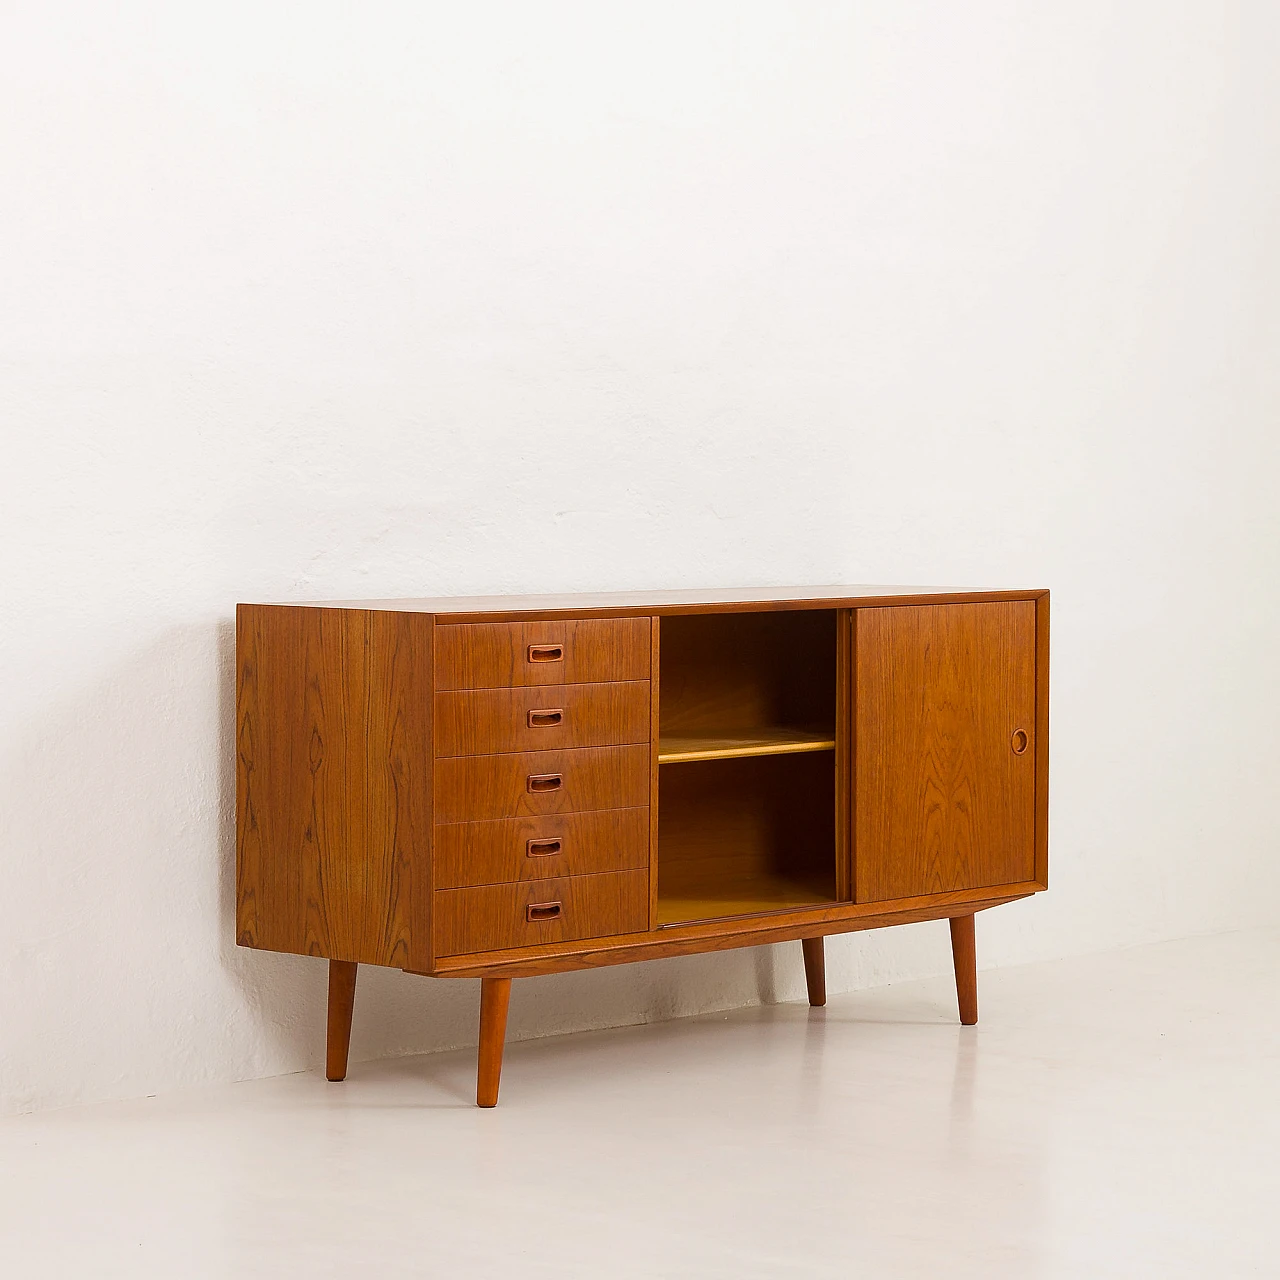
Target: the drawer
pixel 472 722
pixel 475 788
pixel 568 844
pixel 496 916
pixel 502 655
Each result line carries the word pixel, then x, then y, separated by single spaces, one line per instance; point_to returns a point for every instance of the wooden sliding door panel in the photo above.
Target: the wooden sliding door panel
pixel 944 748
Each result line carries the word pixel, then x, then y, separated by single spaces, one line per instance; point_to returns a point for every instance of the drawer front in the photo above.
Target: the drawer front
pixel 502 655
pixel 472 722
pixel 569 844
pixel 497 916
pixel 476 788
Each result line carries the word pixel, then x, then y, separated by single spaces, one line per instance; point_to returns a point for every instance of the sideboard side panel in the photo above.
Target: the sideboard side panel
pixel 332 779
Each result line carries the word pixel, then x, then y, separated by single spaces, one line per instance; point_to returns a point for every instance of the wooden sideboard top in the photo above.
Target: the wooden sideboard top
pixel 701 600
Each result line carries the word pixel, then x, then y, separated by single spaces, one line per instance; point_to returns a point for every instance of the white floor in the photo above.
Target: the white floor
pixel 1117 1115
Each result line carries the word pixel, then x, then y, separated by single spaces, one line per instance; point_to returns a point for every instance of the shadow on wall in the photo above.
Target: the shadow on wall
pixel 119 973
pixel 279 992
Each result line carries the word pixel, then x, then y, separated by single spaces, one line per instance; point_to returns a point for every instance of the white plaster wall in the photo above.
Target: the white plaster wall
pixel 311 301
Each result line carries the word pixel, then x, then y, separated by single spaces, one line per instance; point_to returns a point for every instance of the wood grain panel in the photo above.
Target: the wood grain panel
pixel 477 788
pixel 476 853
pixel 333 780
pixel 496 916
pixel 472 722
pixel 487 655
pixel 942 801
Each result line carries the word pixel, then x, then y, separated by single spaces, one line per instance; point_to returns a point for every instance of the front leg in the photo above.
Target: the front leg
pixel 815 971
pixel 495 995
pixel 964 955
pixel 342 1000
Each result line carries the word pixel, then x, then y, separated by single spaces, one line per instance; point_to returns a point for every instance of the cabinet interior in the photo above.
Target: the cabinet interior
pixel 747 755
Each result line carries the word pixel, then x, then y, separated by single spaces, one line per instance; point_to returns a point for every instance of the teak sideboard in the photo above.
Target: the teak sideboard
pixel 505 787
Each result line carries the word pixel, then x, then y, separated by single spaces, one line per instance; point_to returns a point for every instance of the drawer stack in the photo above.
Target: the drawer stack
pixel 542 745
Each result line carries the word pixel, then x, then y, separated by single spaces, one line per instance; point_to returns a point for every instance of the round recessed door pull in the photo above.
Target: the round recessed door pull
pixel 1021 741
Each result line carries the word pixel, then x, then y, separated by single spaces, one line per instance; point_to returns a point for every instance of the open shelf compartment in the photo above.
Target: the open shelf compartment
pixel 746 800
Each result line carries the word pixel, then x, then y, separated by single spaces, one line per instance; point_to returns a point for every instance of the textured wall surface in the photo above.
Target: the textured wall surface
pixel 312 302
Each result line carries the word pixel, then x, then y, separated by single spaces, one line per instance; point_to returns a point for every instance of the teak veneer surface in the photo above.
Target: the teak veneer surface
pixel 484 721
pixel 487 655
pixel 563 844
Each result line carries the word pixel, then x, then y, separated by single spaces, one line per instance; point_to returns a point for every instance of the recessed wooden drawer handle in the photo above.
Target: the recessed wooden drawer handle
pixel 543 911
pixel 1021 741
pixel 545 719
pixel 546 652
pixel 539 782
pixel 542 848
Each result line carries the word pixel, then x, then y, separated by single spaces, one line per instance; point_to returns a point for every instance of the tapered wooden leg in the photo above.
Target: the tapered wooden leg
pixel 964 955
pixel 342 1000
pixel 815 971
pixel 495 996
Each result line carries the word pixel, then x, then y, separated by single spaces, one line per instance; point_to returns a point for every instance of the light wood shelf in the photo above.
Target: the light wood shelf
pixel 679 748
pixel 710 899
